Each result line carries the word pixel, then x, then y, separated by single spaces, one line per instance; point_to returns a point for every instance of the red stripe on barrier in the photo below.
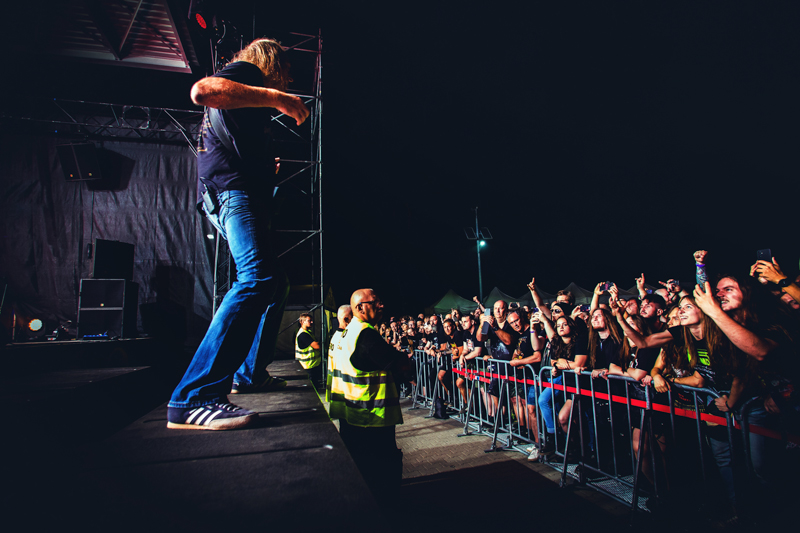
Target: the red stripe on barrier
pixel 485 377
pixel 686 413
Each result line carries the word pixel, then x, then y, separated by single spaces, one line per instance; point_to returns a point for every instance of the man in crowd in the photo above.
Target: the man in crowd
pixel 470 349
pixel 765 336
pixel 448 351
pixel 307 349
pixel 524 395
pixel 236 169
pixel 651 309
pixel 364 396
pixel 502 336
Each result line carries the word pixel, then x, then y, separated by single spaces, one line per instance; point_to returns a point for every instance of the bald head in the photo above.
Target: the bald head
pixel 344 315
pixel 366 306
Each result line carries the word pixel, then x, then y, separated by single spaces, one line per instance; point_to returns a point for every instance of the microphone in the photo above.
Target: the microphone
pixel 485 327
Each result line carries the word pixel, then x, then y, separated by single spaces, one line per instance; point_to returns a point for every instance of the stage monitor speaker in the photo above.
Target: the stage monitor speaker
pixel 79 162
pixel 113 260
pixel 107 309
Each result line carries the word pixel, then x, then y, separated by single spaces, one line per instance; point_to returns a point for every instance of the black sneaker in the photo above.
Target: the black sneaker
pixel 548 447
pixel 215 416
pixel 269 384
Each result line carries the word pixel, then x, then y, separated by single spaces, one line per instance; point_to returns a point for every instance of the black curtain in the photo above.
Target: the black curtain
pixel 146 198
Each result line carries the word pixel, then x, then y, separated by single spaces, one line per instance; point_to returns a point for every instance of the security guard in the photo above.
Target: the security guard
pixel 307 349
pixel 364 397
pixel 344 315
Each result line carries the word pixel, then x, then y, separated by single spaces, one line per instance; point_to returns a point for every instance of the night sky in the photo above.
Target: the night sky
pixel 598 140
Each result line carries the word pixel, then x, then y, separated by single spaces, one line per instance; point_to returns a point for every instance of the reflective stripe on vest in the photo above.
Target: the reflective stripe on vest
pixel 365 399
pixel 336 341
pixel 308 357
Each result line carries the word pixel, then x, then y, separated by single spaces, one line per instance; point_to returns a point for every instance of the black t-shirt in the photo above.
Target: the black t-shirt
pixel 703 364
pixel 524 347
pixel 451 343
pixel 252 167
pixel 304 340
pixel 469 341
pixel 645 359
pixel 501 350
pixel 608 353
pixel 411 342
pixel 778 375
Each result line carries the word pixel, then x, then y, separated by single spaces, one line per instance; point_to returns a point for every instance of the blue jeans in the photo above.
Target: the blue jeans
pixel 244 330
pixel 546 406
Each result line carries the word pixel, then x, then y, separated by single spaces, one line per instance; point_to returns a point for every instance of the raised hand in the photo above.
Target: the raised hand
pixel 705 300
pixel 700 256
pixel 532 285
pixel 769 271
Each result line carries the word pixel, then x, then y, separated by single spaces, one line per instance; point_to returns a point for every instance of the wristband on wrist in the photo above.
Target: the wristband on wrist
pixel 700 264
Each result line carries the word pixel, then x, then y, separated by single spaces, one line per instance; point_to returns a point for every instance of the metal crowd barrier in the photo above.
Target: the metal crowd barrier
pixel 605 459
pixel 611 464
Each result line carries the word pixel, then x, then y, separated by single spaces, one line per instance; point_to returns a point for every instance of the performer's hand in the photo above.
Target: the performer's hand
pixel 293 106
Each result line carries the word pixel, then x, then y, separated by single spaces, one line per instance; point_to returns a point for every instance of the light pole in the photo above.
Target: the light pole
pixel 480 236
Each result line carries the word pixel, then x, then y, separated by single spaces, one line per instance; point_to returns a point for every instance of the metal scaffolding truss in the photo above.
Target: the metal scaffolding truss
pixel 97 120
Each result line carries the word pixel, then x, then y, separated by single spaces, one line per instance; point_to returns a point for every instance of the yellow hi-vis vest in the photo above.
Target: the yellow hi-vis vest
pixel 309 358
pixel 365 399
pixel 336 342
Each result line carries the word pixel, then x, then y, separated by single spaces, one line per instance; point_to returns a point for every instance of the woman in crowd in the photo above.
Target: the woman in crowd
pixel 716 366
pixel 567 351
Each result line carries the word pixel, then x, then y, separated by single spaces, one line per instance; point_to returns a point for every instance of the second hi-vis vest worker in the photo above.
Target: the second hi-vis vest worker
pixel 308 357
pixel 365 399
pixel 336 340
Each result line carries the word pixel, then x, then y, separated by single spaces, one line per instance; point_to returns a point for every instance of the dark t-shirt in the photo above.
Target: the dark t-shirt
pixel 703 364
pixel 608 353
pixel 469 341
pixel 411 342
pixel 451 343
pixel 645 359
pixel 252 167
pixel 501 350
pixel 525 348
pixel 304 340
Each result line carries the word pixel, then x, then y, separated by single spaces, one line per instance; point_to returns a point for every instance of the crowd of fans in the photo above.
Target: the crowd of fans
pixel 735 337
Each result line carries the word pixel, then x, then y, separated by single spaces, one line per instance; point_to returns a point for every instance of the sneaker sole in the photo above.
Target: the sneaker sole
pixel 218 425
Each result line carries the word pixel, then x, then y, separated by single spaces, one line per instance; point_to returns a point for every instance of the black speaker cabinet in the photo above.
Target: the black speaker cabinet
pixel 112 260
pixel 107 308
pixel 79 162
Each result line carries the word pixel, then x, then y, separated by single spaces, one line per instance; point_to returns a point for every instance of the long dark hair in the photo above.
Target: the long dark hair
pixel 558 348
pixel 615 332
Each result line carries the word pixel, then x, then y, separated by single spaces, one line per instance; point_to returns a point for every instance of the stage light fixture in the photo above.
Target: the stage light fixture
pixel 201 21
pixel 35 325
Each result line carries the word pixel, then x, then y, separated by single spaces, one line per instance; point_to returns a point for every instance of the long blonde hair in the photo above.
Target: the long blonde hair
pixel 270 57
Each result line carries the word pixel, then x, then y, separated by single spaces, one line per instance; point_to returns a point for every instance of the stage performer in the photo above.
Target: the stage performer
pixel 236 171
pixel 363 396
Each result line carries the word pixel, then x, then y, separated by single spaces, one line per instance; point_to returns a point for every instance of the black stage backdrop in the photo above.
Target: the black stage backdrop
pixel 146 198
